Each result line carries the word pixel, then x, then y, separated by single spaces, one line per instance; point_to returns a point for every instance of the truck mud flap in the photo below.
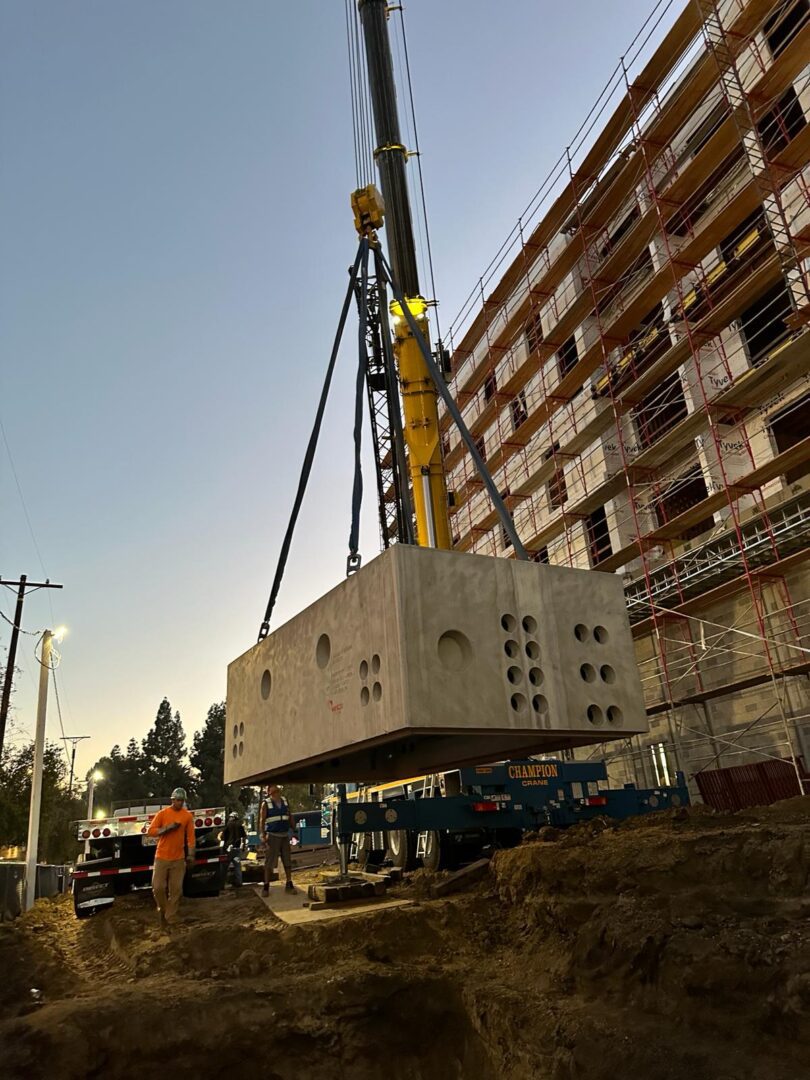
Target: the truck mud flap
pixel 206 877
pixel 92 895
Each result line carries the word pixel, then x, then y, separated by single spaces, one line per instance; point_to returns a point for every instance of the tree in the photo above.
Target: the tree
pixel 164 749
pixel 207 757
pixel 57 841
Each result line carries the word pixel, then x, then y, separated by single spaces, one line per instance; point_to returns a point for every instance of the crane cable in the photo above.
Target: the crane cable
pixel 360 103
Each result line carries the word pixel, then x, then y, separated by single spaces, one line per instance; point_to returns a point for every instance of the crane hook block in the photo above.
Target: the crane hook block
pixel 369 209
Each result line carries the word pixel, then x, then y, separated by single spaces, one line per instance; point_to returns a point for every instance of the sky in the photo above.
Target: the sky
pixel 174 206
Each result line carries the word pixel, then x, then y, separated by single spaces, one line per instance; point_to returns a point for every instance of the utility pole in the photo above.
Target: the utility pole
pixel 36 779
pixel 73 739
pixel 23 586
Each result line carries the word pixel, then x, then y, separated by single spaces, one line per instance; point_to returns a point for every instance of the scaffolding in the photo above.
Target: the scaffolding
pixel 635 368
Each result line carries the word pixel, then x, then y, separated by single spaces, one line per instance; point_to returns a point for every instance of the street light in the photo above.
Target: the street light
pixel 91 787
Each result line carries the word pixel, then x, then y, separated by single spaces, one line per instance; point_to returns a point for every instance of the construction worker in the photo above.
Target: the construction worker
pixel 234 838
pixel 276 824
pixel 174 827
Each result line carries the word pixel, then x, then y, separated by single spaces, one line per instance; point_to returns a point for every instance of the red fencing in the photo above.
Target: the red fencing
pixel 758 784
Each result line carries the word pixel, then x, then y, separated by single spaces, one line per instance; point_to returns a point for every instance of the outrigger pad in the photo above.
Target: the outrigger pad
pixel 424 660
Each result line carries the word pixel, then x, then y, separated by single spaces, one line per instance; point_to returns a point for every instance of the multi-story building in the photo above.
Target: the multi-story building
pixel 635 368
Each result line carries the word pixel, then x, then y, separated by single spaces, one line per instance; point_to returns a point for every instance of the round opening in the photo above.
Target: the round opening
pixel 511 648
pixel 518 703
pixel 581 632
pixel 375 664
pixel 536 676
pixel 454 650
pixel 364 669
pixel 241 748
pixel 323 650
pixel 588 672
pixel 235 751
pixel 235 731
pixel 514 675
pixel 539 703
pixel 675 799
pixel 595 715
pixel 615 716
pixel 365 696
pixel 532 650
pixel 376 691
pixel 607 673
pixel 509 623
pixel 601 634
pixel 529 624
pixel 241 729
pixel 267 685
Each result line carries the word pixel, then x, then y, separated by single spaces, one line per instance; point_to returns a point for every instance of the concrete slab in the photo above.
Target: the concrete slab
pixel 294 909
pixel 430 659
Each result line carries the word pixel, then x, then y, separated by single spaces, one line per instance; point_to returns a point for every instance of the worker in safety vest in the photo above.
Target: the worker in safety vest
pixel 174 828
pixel 276 823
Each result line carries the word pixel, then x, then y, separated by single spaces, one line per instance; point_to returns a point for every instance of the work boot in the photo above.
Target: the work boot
pixel 266 890
pixel 289 887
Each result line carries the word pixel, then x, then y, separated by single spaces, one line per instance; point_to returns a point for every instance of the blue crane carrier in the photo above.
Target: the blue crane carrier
pixel 439 821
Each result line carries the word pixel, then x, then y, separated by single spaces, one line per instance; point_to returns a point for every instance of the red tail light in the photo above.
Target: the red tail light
pixel 105 832
pixel 143 830
pixel 86 834
pixel 484 807
pixel 217 820
pixel 198 822
pixel 209 821
pixel 596 800
pixel 96 832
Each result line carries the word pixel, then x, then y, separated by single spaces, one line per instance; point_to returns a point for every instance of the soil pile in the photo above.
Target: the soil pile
pixel 673 947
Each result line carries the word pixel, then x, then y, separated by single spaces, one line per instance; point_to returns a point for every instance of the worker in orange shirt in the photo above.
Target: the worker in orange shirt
pixel 174 827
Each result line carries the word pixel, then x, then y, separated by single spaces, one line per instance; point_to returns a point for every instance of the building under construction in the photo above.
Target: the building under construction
pixel 635 369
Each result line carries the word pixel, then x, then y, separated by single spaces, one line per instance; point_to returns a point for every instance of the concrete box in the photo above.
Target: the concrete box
pixel 426 659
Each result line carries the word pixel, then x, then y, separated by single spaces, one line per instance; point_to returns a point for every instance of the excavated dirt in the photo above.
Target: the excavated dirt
pixel 674 947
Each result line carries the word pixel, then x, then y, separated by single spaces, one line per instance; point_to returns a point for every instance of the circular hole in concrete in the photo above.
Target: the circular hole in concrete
pixel 454 650
pixel 509 623
pixel 241 748
pixel 607 673
pixel 518 703
pixel 511 648
pixel 581 632
pixel 514 675
pixel 532 650
pixel 241 729
pixel 267 686
pixel 235 751
pixel 536 676
pixel 376 691
pixel 595 715
pixel 323 650
pixel 588 672
pixel 235 731
pixel 601 634
pixel 365 696
pixel 364 669
pixel 529 624
pixel 539 703
pixel 375 664
pixel 615 715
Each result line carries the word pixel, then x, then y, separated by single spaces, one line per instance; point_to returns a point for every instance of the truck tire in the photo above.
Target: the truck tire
pixel 367 854
pixel 435 857
pixel 401 850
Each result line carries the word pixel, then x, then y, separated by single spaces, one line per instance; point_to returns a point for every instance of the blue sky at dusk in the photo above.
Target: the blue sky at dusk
pixel 174 207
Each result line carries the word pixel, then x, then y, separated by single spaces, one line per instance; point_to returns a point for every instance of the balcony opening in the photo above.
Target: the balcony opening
pixel 506 540
pixel 745 238
pixel 783 25
pixel 788 427
pixel 481 447
pixel 782 123
pixel 661 410
pixel 541 555
pixel 490 386
pixel 683 222
pixel 763 323
pixel 567 355
pixel 519 410
pixel 557 491
pixel 598 535
pixel 681 495
pixel 534 332
pixel 621 229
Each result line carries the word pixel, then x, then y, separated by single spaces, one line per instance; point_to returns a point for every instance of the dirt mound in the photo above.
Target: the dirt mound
pixel 674 946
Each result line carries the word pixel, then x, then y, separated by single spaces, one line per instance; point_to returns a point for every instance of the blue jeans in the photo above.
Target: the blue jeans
pixel 235 861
